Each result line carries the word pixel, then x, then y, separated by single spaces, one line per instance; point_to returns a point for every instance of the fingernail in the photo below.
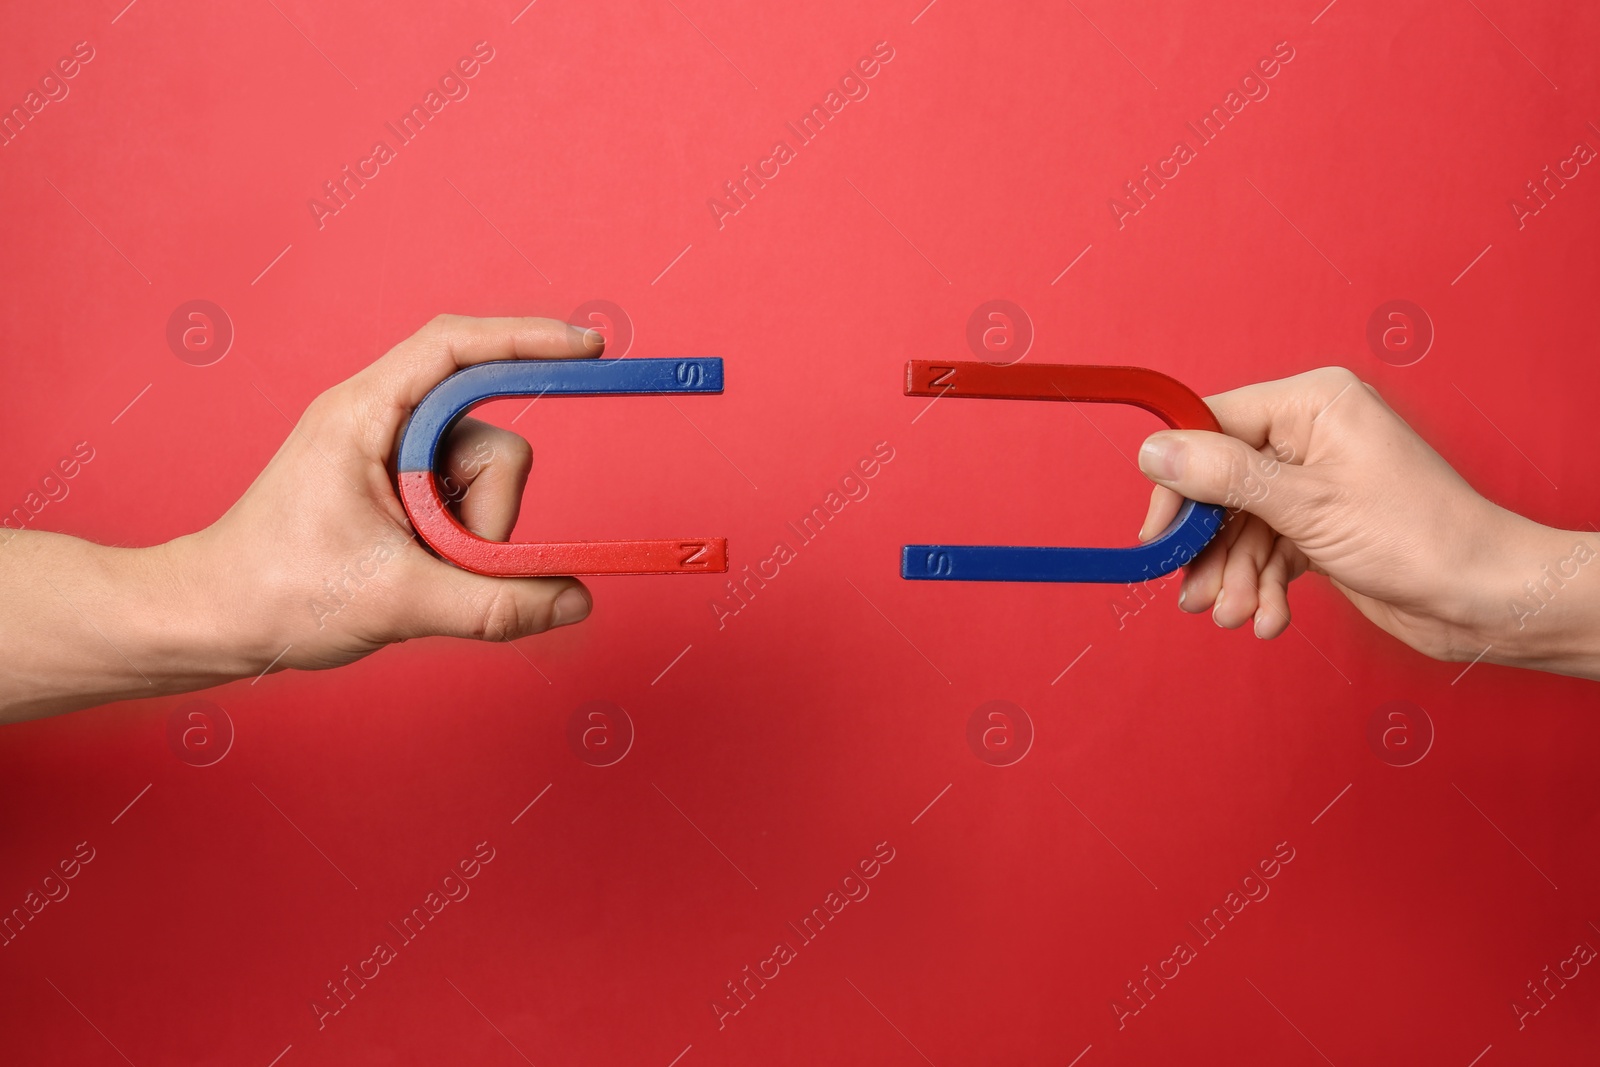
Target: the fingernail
pixel 1183 594
pixel 570 607
pixel 1218 607
pixel 1162 458
pixel 593 338
pixel 1261 617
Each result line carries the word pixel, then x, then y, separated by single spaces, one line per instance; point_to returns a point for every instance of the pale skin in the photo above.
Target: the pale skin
pixel 1329 479
pixel 316 565
pixel 320 528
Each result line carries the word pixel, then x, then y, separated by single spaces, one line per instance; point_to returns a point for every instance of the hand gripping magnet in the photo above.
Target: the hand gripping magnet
pixel 1193 528
pixel 453 397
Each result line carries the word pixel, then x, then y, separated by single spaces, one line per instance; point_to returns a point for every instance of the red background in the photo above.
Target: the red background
pixel 825 717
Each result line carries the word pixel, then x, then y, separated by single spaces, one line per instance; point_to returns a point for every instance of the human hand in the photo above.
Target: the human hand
pixel 1327 477
pixel 317 561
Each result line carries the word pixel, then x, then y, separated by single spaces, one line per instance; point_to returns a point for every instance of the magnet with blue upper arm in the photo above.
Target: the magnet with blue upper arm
pixel 459 393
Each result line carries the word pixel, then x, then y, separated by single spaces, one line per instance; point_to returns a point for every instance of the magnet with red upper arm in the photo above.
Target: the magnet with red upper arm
pixel 1175 403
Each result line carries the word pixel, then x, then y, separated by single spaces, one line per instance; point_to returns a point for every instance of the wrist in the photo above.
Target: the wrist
pixel 176 629
pixel 212 625
pixel 1541 601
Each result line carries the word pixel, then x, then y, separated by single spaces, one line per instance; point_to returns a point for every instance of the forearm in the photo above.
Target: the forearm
pixel 84 624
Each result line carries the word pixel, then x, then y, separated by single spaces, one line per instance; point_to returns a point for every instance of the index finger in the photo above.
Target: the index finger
pixel 450 342
pixel 1281 412
pixel 388 389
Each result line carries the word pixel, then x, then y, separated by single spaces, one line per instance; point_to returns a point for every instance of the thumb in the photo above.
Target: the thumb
pixel 447 602
pixel 1214 468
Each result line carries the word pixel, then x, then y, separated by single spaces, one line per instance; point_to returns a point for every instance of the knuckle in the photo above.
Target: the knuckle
pixel 442 327
pixel 1233 472
pixel 1339 394
pixel 518 453
pixel 328 409
pixel 1336 376
pixel 1324 495
pixel 505 618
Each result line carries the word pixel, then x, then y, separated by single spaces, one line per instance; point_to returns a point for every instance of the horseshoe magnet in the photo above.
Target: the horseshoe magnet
pixel 453 397
pixel 1193 528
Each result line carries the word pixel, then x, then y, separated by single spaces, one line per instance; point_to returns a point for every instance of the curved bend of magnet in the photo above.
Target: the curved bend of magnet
pixel 457 394
pixel 1175 403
